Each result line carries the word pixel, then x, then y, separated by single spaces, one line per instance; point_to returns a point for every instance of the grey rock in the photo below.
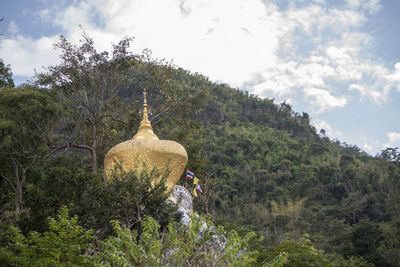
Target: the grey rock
pixel 184 200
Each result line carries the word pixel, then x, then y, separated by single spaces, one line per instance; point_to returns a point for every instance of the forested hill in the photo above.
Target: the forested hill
pixel 264 166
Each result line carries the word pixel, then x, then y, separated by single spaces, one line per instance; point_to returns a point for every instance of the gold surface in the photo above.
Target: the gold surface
pixel 145 130
pixel 146 150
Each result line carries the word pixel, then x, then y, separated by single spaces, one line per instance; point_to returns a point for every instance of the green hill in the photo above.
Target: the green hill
pixel 265 167
pixel 262 166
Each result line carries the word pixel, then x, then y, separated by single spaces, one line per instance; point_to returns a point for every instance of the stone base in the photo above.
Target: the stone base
pixel 184 200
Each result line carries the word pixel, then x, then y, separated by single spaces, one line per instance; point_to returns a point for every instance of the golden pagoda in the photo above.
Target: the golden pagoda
pixel 145 149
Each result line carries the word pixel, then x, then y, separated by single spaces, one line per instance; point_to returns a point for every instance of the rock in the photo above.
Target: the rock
pixel 183 199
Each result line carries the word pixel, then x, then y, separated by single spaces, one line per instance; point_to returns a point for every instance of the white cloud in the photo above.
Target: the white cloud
pixel 25 54
pixel 246 43
pixel 284 78
pixel 366 91
pixel 393 78
pixel 394 139
pixel 334 56
pixel 337 60
pixel 372 6
pixel 329 131
pixel 13 27
pixel 381 82
pixel 317 18
pixel 323 100
pixel 368 147
pixel 226 40
pixel 369 144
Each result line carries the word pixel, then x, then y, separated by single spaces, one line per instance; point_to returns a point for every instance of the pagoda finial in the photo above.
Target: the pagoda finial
pixel 145 130
pixel 145 115
pixel 145 152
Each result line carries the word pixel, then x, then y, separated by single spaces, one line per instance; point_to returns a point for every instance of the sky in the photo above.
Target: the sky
pixel 337 60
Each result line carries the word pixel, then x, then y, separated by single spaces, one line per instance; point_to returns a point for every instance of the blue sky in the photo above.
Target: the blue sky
pixel 337 60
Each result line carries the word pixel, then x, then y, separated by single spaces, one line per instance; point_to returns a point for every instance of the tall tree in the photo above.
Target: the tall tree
pixel 27 117
pixel 88 83
pixel 173 102
pixel 6 79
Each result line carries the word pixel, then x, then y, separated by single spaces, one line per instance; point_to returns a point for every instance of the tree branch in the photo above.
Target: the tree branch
pixel 112 117
pixel 56 149
pixel 160 113
pixel 9 181
pixel 81 147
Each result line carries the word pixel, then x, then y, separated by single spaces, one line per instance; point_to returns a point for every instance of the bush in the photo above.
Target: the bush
pixel 200 243
pixel 64 244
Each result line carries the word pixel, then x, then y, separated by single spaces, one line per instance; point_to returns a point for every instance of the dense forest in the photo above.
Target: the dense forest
pixel 276 192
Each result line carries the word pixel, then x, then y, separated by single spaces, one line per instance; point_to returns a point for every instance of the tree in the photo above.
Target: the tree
pixel 390 247
pixel 367 238
pixel 128 198
pixel 200 243
pixel 27 117
pixel 300 253
pixel 5 75
pixel 173 101
pixel 64 244
pixel 88 83
pixel 391 154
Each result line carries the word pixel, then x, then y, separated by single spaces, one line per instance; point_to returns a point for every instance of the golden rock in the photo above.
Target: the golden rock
pixel 145 149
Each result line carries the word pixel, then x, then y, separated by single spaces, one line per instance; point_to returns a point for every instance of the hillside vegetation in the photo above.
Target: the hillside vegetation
pixel 267 174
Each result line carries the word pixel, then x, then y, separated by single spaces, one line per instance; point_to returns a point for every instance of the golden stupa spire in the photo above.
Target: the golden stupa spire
pixel 145 152
pixel 145 130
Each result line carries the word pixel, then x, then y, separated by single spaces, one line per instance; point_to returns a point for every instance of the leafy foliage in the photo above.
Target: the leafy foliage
pixel 88 83
pixel 127 198
pixel 263 166
pixel 6 79
pixel 198 244
pixel 27 118
pixel 63 245
pixel 290 253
